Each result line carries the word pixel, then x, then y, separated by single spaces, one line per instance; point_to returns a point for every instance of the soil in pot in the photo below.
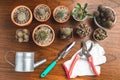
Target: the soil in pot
pixel 61 14
pixel 42 12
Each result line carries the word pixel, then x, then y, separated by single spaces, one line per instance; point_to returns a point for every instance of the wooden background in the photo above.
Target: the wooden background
pixel 110 70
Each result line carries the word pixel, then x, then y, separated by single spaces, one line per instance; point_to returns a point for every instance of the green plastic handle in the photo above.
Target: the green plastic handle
pixel 48 69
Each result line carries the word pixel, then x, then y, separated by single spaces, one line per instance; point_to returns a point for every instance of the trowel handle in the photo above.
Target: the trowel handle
pixel 39 63
pixel 48 69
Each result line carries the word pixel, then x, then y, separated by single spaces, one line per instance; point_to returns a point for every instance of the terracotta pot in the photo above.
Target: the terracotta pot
pixel 54 12
pixel 79 19
pixel 94 34
pixel 37 8
pixel 24 24
pixel 33 35
pixel 102 26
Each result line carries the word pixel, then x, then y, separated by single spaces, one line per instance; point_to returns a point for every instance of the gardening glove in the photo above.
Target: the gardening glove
pixel 82 67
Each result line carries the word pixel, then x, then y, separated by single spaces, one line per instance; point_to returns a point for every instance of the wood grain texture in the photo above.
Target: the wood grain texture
pixel 110 70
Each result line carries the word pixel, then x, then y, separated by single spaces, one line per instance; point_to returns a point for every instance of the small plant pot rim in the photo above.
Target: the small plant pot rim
pixel 57 9
pixel 77 19
pixel 25 24
pixel 41 25
pixel 94 36
pixel 102 26
pixel 35 14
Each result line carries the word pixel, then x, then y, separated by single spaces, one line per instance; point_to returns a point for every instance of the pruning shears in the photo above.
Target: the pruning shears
pixel 89 58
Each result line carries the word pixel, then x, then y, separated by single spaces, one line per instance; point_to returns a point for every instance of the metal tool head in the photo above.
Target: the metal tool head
pixel 66 50
pixel 84 47
pixel 80 53
pixel 86 51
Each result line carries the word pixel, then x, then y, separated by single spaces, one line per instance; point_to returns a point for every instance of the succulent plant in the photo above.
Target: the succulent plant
pixel 66 33
pixel 25 31
pixel 100 34
pixel 82 30
pixel 105 16
pixel 21 15
pixel 20 40
pixel 61 14
pixel 41 35
pixel 22 35
pixel 80 12
pixel 42 12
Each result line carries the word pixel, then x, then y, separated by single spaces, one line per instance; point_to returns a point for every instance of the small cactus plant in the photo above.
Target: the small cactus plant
pixel 42 35
pixel 100 34
pixel 83 30
pixel 21 15
pixel 79 13
pixel 105 17
pixel 66 33
pixel 61 14
pixel 22 35
pixel 42 12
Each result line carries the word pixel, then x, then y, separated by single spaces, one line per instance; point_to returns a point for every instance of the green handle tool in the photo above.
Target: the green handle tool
pixel 48 69
pixel 62 55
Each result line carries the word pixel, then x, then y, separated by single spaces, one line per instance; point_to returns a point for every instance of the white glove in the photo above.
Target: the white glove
pixel 82 67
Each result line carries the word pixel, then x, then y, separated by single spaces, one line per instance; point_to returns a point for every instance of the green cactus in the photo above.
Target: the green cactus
pixel 67 31
pixel 81 12
pixel 42 11
pixel 60 14
pixel 42 35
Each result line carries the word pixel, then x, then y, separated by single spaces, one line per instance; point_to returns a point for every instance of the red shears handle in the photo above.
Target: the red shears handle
pixel 90 59
pixel 73 63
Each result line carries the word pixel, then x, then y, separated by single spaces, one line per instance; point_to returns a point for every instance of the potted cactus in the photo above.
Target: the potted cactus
pixel 100 34
pixel 65 33
pixel 22 35
pixel 61 14
pixel 43 35
pixel 80 13
pixel 105 17
pixel 42 12
pixel 21 15
pixel 82 30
